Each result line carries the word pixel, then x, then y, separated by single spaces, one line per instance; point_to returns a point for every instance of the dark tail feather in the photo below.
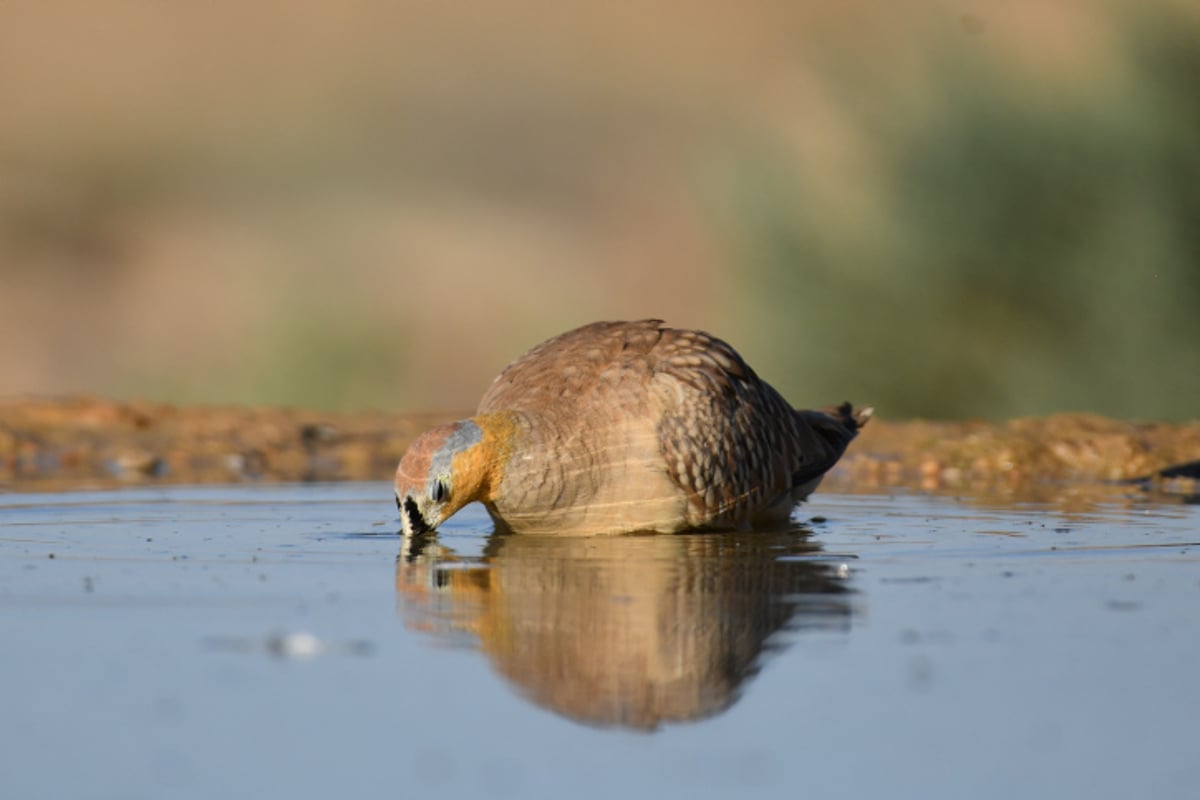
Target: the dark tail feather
pixel 852 419
pixel 831 430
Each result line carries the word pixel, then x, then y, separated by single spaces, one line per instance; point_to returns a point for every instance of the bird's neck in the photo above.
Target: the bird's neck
pixel 483 466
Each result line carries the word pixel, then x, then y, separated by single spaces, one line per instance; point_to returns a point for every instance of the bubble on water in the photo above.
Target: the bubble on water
pixel 296 645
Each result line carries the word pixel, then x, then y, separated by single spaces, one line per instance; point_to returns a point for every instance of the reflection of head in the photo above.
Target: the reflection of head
pixel 630 631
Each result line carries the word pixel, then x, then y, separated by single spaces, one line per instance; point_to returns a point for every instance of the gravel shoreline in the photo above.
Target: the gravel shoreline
pixel 84 442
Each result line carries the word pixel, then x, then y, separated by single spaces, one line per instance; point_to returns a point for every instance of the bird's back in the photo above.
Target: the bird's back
pixel 661 422
pixel 569 370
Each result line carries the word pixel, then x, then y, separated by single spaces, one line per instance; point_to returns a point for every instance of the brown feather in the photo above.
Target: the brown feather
pixel 629 425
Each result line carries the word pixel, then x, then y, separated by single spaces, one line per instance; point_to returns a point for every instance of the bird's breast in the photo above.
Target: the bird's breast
pixel 582 479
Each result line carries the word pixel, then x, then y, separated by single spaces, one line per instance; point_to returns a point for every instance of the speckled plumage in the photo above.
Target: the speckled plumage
pixel 623 426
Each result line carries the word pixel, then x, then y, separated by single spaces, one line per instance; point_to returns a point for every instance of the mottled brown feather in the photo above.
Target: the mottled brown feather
pixel 654 427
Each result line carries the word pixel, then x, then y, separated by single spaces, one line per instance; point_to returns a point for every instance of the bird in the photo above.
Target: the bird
pixel 623 427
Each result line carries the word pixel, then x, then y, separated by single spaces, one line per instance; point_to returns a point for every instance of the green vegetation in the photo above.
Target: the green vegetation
pixel 940 214
pixel 1034 250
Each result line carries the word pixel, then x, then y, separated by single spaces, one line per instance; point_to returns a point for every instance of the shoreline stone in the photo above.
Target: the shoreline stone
pixel 54 444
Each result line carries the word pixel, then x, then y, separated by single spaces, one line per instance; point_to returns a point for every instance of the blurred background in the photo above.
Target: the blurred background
pixel 946 209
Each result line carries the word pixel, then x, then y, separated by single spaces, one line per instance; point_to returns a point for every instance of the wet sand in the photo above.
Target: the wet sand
pixel 58 444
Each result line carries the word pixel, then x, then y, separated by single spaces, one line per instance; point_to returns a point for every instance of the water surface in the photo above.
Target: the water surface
pixel 283 641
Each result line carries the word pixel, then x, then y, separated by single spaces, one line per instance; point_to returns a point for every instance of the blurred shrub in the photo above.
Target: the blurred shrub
pixel 1036 248
pixel 939 213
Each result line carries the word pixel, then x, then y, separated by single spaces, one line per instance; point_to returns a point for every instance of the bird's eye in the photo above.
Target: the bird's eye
pixel 439 491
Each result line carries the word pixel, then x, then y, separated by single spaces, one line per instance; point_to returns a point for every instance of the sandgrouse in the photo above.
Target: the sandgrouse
pixel 625 426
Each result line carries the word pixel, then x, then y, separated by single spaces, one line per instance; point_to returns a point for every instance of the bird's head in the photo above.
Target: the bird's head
pixel 443 470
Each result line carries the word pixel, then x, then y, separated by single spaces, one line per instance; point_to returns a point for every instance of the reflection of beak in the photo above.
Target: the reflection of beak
pixel 412 515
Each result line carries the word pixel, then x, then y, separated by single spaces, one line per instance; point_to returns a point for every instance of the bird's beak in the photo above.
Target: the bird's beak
pixel 410 516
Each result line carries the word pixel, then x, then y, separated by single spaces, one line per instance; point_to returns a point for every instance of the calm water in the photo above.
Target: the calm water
pixel 284 642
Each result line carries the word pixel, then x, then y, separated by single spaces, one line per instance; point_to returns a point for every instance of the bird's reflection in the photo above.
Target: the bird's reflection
pixel 634 631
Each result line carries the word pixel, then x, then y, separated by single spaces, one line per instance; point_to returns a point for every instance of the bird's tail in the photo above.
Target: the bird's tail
pixel 827 433
pixel 854 420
